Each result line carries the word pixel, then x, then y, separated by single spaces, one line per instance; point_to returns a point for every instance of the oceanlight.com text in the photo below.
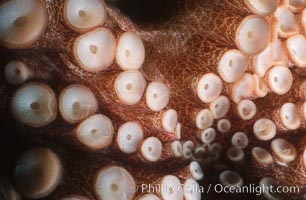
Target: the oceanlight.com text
pixel 219 188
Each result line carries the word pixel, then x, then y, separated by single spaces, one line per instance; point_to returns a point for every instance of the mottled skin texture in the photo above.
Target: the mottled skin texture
pixel 179 50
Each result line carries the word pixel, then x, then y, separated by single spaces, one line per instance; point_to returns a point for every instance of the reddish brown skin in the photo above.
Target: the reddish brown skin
pixel 179 50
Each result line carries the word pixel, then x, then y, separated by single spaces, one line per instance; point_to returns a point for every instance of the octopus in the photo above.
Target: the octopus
pixel 149 100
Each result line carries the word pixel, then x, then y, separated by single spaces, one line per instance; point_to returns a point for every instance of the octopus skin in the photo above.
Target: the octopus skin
pixel 101 98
